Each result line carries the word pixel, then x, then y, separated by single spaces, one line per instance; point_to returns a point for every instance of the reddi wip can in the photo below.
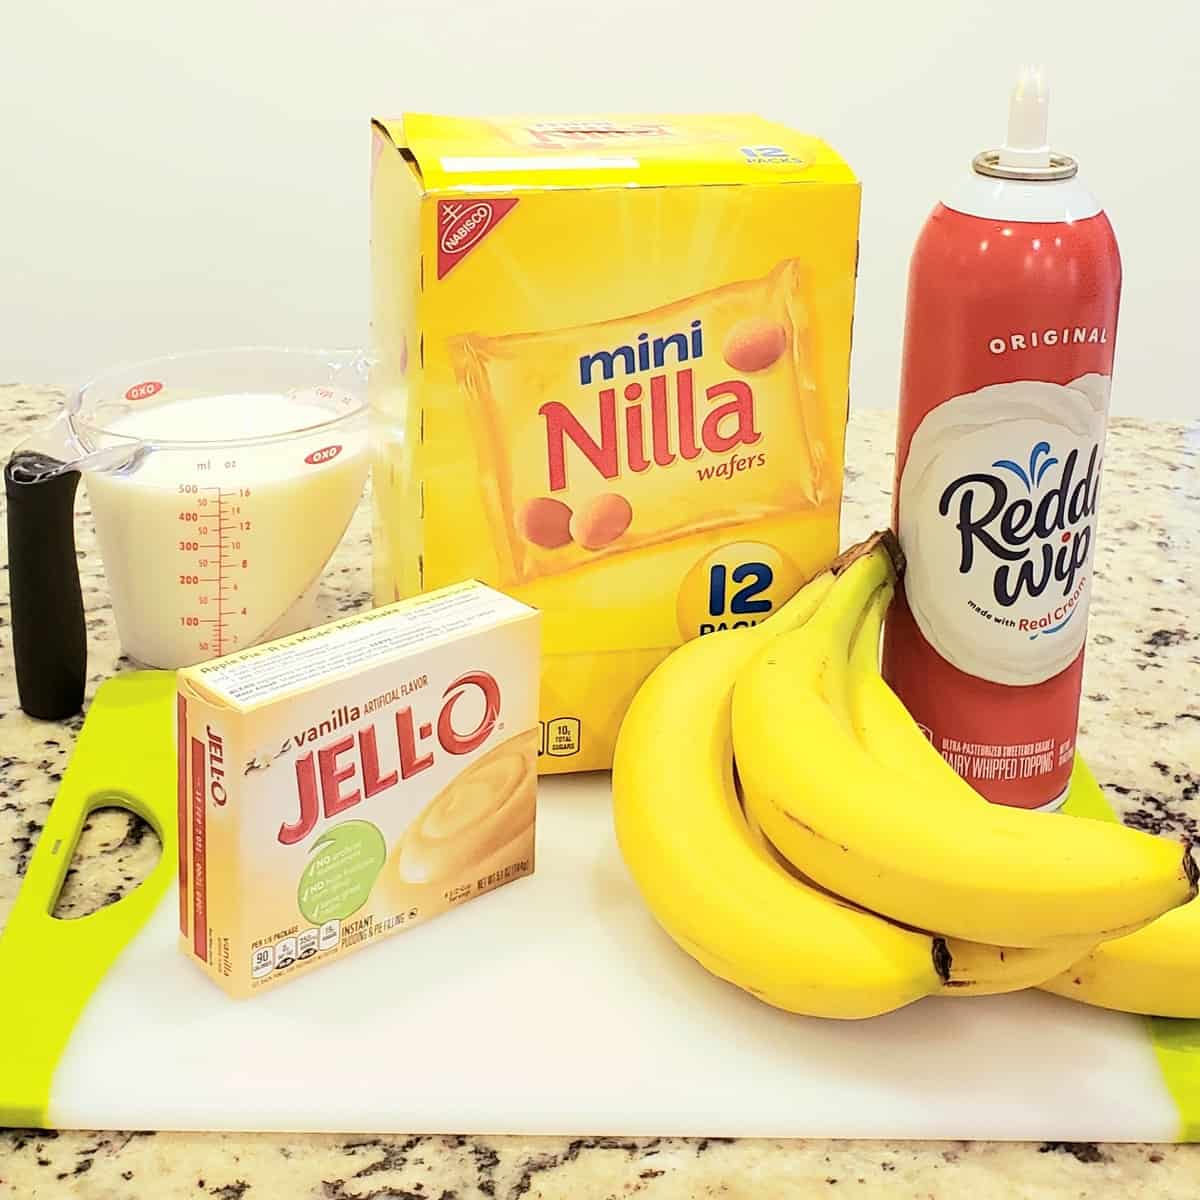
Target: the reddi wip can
pixel 1008 352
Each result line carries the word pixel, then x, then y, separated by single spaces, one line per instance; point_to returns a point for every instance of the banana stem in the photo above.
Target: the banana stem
pixel 802 605
pixel 883 539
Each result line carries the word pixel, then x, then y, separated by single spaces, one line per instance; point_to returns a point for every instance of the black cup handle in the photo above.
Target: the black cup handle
pixel 48 630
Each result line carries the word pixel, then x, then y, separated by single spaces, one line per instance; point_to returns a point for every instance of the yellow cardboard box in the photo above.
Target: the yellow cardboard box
pixel 612 380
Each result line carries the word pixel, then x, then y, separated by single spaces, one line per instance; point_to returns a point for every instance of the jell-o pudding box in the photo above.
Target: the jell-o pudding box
pixel 612 374
pixel 351 781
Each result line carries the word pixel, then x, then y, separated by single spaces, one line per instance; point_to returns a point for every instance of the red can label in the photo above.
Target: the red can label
pixel 1008 358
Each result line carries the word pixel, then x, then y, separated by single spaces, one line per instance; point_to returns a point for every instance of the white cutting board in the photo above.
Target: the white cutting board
pixel 556 1005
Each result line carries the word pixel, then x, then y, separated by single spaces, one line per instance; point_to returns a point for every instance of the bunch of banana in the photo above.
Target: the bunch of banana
pixel 793 925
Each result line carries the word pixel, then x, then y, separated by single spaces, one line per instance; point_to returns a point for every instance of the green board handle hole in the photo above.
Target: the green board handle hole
pixel 116 849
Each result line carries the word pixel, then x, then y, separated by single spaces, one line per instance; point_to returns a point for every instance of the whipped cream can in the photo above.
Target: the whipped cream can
pixel 1008 351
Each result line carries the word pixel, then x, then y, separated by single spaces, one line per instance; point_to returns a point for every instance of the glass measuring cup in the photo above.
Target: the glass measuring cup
pixel 220 483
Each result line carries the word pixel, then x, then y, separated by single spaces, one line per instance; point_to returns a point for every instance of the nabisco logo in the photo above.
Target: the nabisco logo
pixel 462 225
pixel 466 227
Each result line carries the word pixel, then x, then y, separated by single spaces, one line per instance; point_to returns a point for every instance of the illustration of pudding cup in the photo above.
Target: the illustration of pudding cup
pixel 480 823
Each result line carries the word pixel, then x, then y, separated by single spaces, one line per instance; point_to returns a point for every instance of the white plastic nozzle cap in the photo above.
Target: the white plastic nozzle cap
pixel 1028 117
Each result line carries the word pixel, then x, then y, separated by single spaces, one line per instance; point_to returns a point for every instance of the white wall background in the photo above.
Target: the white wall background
pixel 179 175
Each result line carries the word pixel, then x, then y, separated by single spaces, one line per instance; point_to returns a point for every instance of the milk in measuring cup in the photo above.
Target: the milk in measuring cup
pixel 211 549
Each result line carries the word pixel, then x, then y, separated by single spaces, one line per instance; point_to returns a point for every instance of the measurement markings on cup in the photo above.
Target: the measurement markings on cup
pixel 220 641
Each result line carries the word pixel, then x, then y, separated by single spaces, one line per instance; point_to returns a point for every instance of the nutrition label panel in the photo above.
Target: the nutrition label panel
pixel 560 737
pixel 281 954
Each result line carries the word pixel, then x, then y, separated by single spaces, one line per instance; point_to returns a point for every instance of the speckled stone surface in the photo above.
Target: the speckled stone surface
pixel 1140 731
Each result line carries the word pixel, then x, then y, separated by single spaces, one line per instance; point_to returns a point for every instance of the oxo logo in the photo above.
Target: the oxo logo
pixel 381 755
pixel 324 455
pixel 143 391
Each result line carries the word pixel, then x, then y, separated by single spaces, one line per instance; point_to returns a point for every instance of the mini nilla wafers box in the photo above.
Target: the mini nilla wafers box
pixel 612 375
pixel 345 783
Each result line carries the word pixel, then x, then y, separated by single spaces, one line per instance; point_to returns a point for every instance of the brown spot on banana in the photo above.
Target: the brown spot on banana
pixel 943 960
pixel 1191 871
pixel 796 821
pixel 813 833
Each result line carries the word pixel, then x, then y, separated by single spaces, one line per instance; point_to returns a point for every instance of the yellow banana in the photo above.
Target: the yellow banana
pixel 974 968
pixel 1155 971
pixel 687 846
pixel 980 969
pixel 925 852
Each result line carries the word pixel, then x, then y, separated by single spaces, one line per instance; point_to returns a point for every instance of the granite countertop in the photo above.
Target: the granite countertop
pixel 1140 729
